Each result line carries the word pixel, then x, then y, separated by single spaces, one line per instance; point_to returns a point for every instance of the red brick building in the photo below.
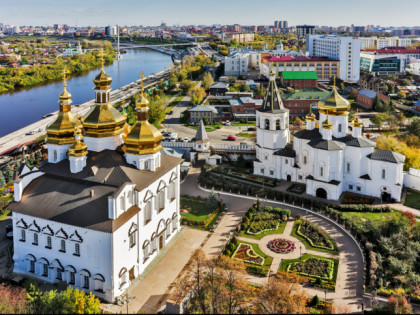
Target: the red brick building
pixel 245 107
pixel 299 79
pixel 299 103
pixel 367 97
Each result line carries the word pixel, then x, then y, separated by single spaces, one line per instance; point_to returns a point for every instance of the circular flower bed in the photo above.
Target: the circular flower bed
pixel 281 245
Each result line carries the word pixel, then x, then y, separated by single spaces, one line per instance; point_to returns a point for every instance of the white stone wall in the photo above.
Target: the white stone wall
pixel 272 138
pixel 100 144
pixel 412 179
pixel 57 153
pixel 95 252
pixel 145 161
pixel 336 121
pixel 392 183
pixel 19 185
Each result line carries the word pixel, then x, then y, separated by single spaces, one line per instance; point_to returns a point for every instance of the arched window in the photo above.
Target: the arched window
pixel 103 97
pixel 161 197
pixel 146 165
pixel 278 124
pixel 130 197
pixel 55 155
pixel 267 124
pixel 172 191
pixel 107 94
pixel 148 212
pixel 99 282
pixel 122 203
pixel 339 127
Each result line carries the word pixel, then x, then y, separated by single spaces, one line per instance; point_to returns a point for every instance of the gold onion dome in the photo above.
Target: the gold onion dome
pixel 102 80
pixel 310 116
pixel 103 120
pixel 357 122
pixel 327 124
pixel 335 104
pixel 143 138
pixel 61 130
pixel 78 148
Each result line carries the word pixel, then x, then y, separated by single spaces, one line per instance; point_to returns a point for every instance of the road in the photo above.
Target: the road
pixel 218 136
pixel 35 130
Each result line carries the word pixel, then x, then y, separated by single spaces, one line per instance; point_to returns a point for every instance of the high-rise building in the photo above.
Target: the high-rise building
pixel 345 49
pixel 303 30
pixel 111 30
pixel 382 42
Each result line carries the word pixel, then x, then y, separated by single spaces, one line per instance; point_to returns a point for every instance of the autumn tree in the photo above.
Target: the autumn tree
pixel 197 273
pixel 278 296
pixel 12 300
pixel 399 305
pixel 197 95
pixel 414 127
pixel 379 119
pixel 186 86
pixel 207 80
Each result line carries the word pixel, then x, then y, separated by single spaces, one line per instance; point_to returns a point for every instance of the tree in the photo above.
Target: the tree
pixel 207 80
pixel 379 119
pixel 12 300
pixel 156 111
pixel 399 305
pixel 400 119
pixel 186 86
pixel 212 200
pixel 17 166
pixel 2 180
pixel 197 95
pixel 281 297
pixel 260 90
pixel 401 94
pixel 414 127
pixel 197 273
pixel 9 173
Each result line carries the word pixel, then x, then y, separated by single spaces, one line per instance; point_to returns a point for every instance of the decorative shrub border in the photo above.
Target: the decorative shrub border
pixel 266 230
pixel 328 278
pixel 247 252
pixel 334 245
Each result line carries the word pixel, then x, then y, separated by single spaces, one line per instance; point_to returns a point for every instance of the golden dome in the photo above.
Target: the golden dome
pixel 335 104
pixel 61 130
pixel 143 138
pixel 356 121
pixel 78 148
pixel 102 80
pixel 103 120
pixel 327 124
pixel 310 116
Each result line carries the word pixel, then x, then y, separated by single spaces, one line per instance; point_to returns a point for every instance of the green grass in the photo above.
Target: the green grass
pixel 196 205
pixel 308 245
pixel 286 262
pixel 208 128
pixel 412 199
pixel 259 236
pixel 267 259
pixel 251 123
pixel 246 135
pixel 360 218
pixel 4 214
pixel 173 104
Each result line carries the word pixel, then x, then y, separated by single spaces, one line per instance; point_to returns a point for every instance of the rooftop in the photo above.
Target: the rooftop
pixel 307 94
pixel 367 93
pixel 296 58
pixel 299 75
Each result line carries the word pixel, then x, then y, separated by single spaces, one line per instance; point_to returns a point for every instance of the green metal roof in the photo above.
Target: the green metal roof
pixel 307 94
pixel 299 75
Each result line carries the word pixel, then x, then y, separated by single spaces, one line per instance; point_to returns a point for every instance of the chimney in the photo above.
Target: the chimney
pixel 92 193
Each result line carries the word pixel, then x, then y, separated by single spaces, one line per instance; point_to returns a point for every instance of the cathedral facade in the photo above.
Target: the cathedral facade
pixel 327 156
pixel 106 202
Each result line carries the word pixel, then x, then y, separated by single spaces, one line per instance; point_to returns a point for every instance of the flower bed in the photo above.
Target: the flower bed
pixel 356 199
pixel 263 221
pixel 185 209
pixel 246 253
pixel 297 188
pixel 315 236
pixel 314 268
pixel 281 246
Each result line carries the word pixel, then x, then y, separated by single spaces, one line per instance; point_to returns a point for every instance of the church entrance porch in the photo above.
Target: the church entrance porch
pixel 321 193
pixel 386 197
pixel 289 178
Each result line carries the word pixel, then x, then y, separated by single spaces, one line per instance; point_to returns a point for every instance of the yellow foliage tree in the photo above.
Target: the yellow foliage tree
pixel 392 143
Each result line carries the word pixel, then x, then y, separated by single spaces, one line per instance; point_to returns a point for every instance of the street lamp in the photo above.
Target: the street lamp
pixel 300 249
pixel 325 291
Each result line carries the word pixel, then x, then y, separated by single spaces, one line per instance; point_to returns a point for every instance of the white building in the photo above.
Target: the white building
pixel 70 51
pixel 236 64
pixel 382 42
pixel 328 159
pixel 95 219
pixel 414 66
pixel 345 49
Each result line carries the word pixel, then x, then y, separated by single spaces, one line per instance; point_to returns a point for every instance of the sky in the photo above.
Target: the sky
pixel 208 12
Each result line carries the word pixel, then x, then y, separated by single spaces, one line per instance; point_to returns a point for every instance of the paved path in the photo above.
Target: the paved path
pixel 349 288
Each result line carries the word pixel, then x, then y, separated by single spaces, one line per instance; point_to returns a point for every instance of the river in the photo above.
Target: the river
pixel 25 106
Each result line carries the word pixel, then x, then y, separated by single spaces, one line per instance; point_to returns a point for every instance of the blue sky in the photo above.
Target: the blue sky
pixel 184 12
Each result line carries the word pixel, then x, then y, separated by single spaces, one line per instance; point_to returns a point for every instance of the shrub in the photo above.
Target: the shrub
pixel 315 301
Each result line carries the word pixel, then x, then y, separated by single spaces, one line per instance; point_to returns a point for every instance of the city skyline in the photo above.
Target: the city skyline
pixel 135 12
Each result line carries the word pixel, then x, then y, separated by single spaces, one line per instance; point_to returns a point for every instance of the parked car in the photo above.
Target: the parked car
pixel 173 140
pixel 9 235
pixel 174 135
pixel 179 140
pixel 251 129
pixel 9 227
pixel 186 139
pixel 231 138
pixel 227 123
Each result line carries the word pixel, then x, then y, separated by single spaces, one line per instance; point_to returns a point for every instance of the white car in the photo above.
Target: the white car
pixel 186 139
pixel 227 123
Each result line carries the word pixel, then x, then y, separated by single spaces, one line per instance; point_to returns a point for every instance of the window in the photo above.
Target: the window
pixel 32 266
pixel 359 188
pixel 286 161
pixel 55 155
pixel 72 278
pixel 59 274
pixel 77 249
pixel 305 159
pixel 85 282
pixel 262 171
pixel 22 236
pixel 148 212
pixel 351 187
pixel 122 206
pixel 300 177
pixel 146 165
pixel 348 167
pixel 45 270
pixel 271 172
pixel 383 173
pixel 49 242
pixel 339 127
pixel 321 171
pixel 265 157
pixel 161 200
pixel 132 239
pixel 35 239
pixel 63 246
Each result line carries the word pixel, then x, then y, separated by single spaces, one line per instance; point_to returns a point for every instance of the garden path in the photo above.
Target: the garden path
pixel 278 257
pixel 349 288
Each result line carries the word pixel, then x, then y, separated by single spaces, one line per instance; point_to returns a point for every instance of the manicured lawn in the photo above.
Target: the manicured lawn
pixel 199 210
pixel 246 135
pixel 360 218
pixel 267 259
pixel 412 199
pixel 259 236
pixel 208 128
pixel 286 262
pixel 251 123
pixel 308 245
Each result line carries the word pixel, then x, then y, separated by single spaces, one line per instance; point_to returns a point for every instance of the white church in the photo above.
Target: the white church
pixel 105 204
pixel 326 156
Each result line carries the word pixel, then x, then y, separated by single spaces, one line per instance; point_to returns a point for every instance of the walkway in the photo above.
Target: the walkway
pixel 349 288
